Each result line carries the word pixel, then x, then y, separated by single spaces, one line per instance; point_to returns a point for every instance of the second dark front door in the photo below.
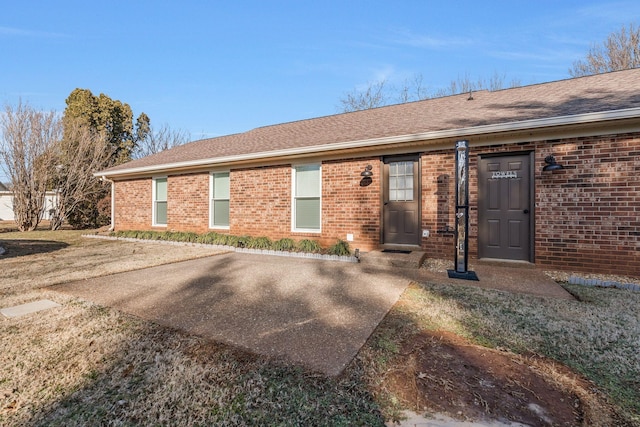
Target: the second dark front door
pixel 401 194
pixel 504 207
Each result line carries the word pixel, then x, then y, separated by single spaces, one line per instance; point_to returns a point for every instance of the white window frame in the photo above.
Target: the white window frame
pixel 294 228
pixel 211 200
pixel 154 201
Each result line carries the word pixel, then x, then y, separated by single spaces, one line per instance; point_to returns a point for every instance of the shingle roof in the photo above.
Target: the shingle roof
pixel 598 93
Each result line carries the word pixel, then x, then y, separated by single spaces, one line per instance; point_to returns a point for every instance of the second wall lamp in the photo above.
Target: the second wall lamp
pixel 366 173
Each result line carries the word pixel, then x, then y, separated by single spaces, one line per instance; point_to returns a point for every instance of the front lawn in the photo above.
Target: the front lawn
pixel 83 364
pixel 597 336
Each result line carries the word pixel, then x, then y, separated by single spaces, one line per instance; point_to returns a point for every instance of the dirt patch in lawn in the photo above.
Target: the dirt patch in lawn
pixel 440 372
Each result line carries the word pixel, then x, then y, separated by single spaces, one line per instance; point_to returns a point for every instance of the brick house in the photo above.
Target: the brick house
pixel 305 179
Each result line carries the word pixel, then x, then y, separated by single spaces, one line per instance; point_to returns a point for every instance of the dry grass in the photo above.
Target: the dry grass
pixel 82 364
pixel 44 258
pixel 597 336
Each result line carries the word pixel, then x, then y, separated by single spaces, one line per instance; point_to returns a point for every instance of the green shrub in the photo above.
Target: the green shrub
pixel 168 236
pixel 227 240
pixel 341 248
pixel 306 245
pixel 284 244
pixel 208 238
pixel 213 238
pixel 188 237
pixel 260 243
pixel 148 235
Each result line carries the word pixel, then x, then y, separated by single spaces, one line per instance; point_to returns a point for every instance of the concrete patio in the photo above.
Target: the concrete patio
pixel 311 312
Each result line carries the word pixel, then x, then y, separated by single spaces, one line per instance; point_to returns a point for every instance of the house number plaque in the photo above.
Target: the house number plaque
pixel 504 174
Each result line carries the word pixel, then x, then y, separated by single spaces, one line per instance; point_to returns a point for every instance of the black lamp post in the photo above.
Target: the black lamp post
pixel 462 215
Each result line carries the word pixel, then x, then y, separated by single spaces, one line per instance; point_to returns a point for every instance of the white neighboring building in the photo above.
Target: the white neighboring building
pixel 6 204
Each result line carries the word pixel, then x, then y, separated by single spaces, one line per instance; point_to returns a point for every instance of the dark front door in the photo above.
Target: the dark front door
pixel 401 210
pixel 504 207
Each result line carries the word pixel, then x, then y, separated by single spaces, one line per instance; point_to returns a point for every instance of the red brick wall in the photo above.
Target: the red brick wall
pixel 260 203
pixel 438 202
pixel 351 205
pixel 133 204
pixel 188 202
pixel 586 216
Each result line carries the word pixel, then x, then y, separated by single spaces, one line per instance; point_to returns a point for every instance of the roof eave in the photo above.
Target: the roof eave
pixel 517 126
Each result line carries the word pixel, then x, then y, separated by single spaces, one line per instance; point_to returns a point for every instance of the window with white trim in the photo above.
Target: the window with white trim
pixel 160 201
pixel 306 192
pixel 219 207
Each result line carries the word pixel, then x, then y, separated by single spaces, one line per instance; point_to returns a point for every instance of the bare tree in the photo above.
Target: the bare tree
pixel 464 84
pixel 620 51
pixel 381 93
pixel 413 90
pixel 27 138
pixel 374 95
pixel 158 140
pixel 83 151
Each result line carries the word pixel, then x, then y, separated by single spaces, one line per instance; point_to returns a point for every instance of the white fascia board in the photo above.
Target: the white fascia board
pixel 390 140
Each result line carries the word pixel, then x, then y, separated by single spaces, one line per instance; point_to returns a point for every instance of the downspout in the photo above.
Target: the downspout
pixel 113 202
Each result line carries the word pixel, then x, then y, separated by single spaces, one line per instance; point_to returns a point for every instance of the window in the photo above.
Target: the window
pixel 306 198
pixel 160 201
pixel 401 181
pixel 219 209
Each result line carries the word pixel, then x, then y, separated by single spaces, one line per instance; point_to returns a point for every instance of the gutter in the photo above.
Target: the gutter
pixel 576 119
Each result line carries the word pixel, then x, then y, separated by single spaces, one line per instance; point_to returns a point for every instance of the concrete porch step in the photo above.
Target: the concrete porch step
pixel 413 259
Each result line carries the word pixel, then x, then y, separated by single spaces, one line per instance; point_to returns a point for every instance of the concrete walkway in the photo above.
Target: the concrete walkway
pixel 310 312
pixel 522 279
pixel 29 308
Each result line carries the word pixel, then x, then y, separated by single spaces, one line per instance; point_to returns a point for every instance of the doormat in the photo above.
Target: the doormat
pixel 395 251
